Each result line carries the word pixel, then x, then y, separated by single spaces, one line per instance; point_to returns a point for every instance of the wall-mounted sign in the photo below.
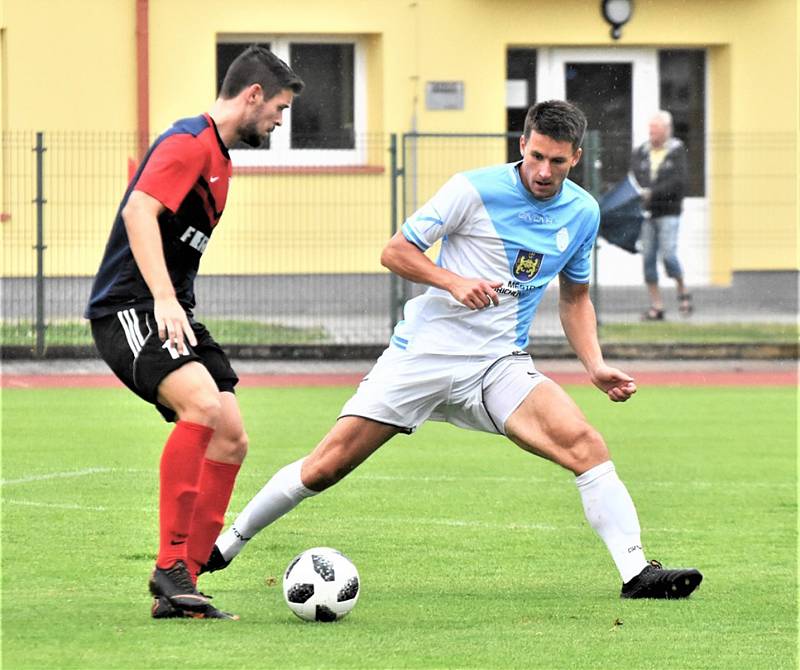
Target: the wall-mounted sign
pixel 517 93
pixel 444 95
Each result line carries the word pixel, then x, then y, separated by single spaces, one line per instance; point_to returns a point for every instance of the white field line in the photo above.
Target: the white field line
pixel 56 475
pixel 456 523
pixel 67 506
pixel 688 483
pixel 465 523
pixel 433 479
pixel 446 523
pixel 437 479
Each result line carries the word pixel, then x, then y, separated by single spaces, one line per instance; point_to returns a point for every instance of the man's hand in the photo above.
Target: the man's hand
pixel 615 383
pixel 173 326
pixel 140 215
pixel 475 293
pixel 408 261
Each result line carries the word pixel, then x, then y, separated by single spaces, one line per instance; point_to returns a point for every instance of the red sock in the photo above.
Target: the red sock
pixel 216 485
pixel 181 462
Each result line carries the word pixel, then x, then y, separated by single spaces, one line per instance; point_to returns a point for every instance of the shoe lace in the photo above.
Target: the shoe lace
pixel 656 564
pixel 179 575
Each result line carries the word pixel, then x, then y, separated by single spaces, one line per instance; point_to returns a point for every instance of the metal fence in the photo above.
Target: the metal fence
pixel 295 262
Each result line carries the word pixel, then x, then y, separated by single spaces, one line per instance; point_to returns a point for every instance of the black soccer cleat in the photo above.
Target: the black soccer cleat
pixel 656 582
pixel 215 562
pixel 164 609
pixel 175 584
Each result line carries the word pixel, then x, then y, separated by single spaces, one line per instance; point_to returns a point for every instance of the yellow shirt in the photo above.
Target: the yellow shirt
pixel 656 158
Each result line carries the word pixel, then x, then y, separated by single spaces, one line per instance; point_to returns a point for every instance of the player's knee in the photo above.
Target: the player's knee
pixel 203 407
pixel 234 447
pixel 586 449
pixel 239 446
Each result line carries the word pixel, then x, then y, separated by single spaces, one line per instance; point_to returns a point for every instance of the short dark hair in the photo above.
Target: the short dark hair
pixel 257 65
pixel 559 120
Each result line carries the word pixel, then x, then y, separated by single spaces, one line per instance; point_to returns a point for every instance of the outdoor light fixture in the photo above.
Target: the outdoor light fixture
pixel 617 13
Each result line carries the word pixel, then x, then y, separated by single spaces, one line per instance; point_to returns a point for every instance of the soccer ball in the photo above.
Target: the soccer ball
pixel 321 584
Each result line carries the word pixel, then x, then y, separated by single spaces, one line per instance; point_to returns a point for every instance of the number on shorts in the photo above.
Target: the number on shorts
pixel 173 351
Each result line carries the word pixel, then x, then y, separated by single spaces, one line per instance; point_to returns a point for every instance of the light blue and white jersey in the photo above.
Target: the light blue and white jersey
pixel 493 228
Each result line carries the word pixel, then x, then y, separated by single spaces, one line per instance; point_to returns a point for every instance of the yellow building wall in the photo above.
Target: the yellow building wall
pixel 71 64
pixel 80 75
pixel 69 70
pixel 762 110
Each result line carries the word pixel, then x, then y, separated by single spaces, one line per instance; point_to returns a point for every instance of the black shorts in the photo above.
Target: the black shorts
pixel 128 341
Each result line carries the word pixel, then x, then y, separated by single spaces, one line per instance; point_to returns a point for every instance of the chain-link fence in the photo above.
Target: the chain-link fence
pixel 295 261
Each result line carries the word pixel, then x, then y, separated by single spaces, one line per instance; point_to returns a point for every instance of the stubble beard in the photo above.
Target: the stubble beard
pixel 249 135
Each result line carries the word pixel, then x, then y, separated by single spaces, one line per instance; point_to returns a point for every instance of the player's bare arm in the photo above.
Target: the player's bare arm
pixel 407 260
pixel 580 326
pixel 141 223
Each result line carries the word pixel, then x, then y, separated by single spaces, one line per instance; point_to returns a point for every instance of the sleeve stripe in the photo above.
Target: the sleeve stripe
pixel 432 219
pixel 399 342
pixel 412 237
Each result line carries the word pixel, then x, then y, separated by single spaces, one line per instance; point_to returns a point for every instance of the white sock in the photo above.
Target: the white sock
pixel 280 494
pixel 610 511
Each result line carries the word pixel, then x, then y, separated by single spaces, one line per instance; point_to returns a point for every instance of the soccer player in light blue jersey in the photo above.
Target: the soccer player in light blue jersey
pixel 459 353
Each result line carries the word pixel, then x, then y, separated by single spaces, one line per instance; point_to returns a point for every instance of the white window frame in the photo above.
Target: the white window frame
pixel 280 153
pixel 550 82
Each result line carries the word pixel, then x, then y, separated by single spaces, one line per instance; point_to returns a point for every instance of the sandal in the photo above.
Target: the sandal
pixel 653 314
pixel 685 306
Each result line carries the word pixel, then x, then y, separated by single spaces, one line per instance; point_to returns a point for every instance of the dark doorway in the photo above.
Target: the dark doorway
pixel 604 92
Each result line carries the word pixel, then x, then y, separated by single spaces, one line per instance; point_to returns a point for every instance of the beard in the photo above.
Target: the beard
pixel 249 135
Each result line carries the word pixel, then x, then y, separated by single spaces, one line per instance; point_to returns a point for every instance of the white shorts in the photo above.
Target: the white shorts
pixel 479 393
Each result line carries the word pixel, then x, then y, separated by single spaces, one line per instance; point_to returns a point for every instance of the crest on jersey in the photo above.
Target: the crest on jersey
pixel 562 239
pixel 527 265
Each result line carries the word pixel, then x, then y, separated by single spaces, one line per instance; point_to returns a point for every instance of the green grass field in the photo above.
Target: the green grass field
pixel 472 553
pixel 76 333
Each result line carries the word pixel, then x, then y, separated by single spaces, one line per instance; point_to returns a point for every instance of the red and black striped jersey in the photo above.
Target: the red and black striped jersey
pixel 187 169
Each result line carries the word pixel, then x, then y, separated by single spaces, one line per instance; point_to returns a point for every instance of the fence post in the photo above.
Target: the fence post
pixel 592 166
pixel 40 246
pixel 408 152
pixel 395 299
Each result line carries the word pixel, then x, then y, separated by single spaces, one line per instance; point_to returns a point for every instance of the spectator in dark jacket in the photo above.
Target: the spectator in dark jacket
pixel 660 167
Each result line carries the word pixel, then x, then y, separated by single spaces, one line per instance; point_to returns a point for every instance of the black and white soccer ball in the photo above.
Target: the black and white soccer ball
pixel 321 584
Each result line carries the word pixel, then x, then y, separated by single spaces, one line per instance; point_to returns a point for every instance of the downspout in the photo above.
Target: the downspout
pixel 142 78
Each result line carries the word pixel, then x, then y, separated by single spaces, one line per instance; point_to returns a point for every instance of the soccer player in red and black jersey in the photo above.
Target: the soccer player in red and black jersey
pixel 142 323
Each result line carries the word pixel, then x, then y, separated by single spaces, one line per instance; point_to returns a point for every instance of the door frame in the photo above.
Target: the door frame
pixel 617 267
pixel 645 94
